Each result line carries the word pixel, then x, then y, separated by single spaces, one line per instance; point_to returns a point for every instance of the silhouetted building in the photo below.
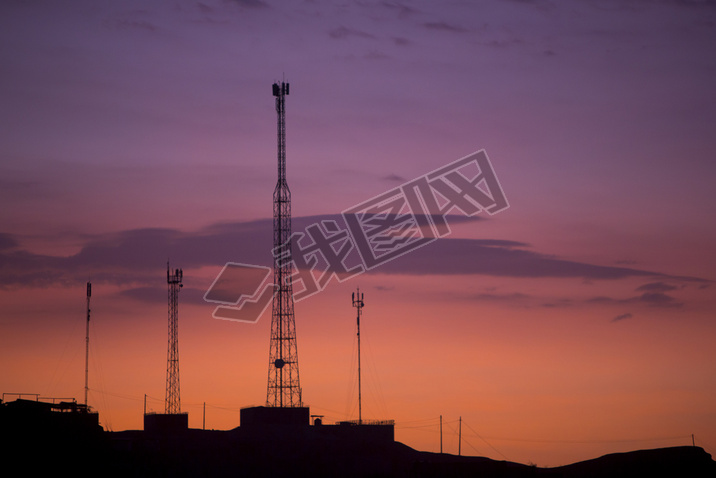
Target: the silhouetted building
pixel 261 417
pixel 166 422
pixel 47 415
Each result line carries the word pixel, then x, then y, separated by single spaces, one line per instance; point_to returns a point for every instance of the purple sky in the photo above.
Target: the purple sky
pixel 133 132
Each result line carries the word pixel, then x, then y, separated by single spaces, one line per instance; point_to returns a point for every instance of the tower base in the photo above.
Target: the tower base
pixel 261 417
pixel 166 422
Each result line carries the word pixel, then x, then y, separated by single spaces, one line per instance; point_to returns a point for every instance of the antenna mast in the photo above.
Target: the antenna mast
pixel 172 402
pixel 284 389
pixel 89 293
pixel 358 304
pixel 459 440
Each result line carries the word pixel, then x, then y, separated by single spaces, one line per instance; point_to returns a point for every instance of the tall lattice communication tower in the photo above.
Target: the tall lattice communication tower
pixel 172 402
pixel 284 389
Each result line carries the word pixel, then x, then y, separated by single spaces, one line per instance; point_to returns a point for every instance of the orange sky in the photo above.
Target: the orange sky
pixel 545 386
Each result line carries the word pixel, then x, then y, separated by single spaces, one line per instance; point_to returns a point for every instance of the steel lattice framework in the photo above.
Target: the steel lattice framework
pixel 284 389
pixel 172 402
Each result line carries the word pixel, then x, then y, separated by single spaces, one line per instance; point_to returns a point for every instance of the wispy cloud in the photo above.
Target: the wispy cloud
pixel 250 3
pixel 512 297
pixel 444 26
pixel 8 241
pixel 394 177
pixel 342 32
pixel 659 299
pixel 401 9
pixel 376 55
pixel 134 19
pixel 622 317
pixel 401 41
pixel 656 287
pixel 653 299
pixel 504 258
pixel 158 295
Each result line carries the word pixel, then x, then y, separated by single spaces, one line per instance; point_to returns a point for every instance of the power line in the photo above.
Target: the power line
pixel 618 440
pixel 488 443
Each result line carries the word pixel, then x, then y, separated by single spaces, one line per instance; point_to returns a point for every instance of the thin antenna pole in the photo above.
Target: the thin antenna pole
pixel 203 418
pixel 89 293
pixel 441 434
pixel 358 304
pixel 459 440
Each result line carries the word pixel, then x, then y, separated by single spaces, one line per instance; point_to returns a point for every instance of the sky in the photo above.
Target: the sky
pixel 575 323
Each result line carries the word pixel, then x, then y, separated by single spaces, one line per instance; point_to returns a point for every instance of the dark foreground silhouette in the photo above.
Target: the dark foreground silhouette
pixel 45 445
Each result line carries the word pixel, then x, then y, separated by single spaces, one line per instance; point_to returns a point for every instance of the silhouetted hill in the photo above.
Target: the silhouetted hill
pixel 685 461
pixel 214 454
pixel 673 462
pixel 53 447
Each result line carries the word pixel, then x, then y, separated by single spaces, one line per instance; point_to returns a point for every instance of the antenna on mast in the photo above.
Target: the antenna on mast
pixel 89 294
pixel 358 304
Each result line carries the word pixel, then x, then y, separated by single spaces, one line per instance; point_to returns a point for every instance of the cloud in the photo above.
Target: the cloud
pixel 250 3
pixel 137 257
pixel 692 3
pixel 505 43
pixel 341 33
pixel 656 287
pixel 513 297
pixel 134 19
pixel 560 302
pixel 443 26
pixel 134 24
pixel 401 41
pixel 402 9
pixel 204 8
pixel 653 299
pixel 158 295
pixel 622 317
pixel 7 241
pixel 376 55
pixel 385 288
pixel 658 299
pixel 394 177
pixel 503 258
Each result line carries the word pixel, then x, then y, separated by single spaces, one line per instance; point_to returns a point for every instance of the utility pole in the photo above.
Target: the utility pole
pixel 358 304
pixel 459 441
pixel 441 434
